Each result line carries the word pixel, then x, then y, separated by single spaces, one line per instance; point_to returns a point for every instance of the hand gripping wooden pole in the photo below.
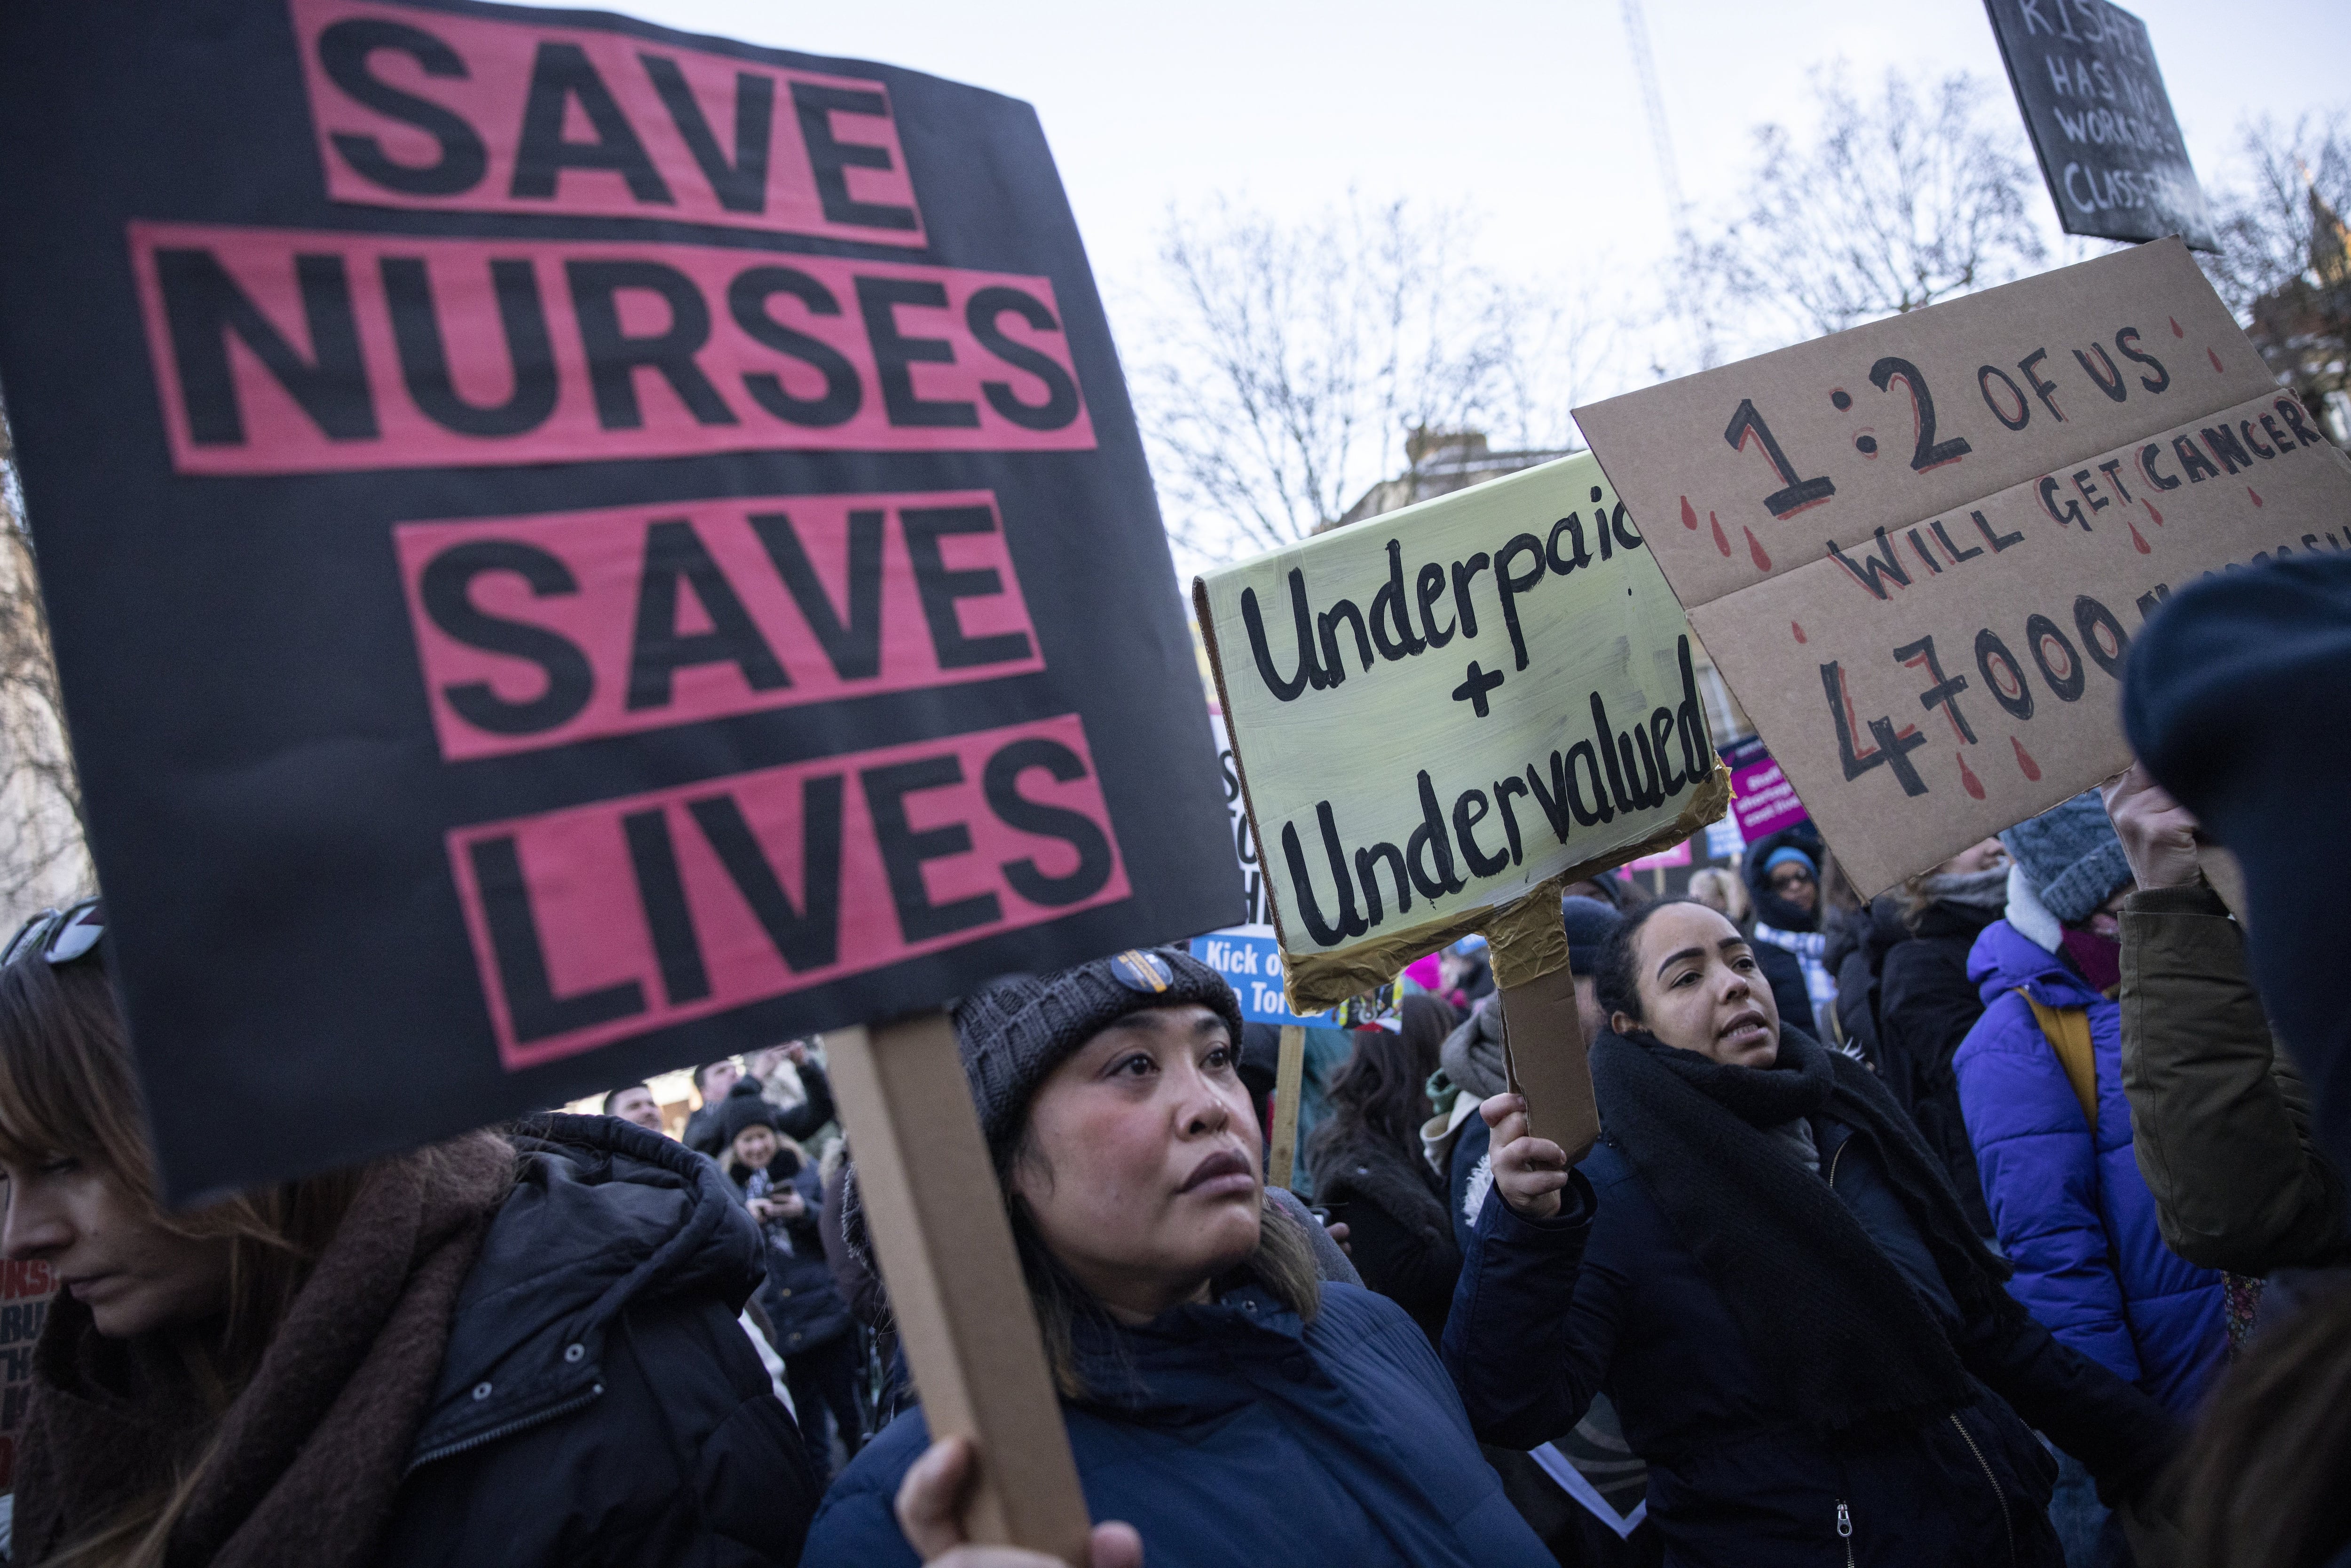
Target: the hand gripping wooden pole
pixel 1288 1083
pixel 962 1310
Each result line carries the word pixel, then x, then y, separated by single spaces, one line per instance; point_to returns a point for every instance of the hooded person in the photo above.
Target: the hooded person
pixel 2040 1086
pixel 506 1349
pixel 1220 1398
pixel 1784 884
pixel 1769 1276
pixel 2235 699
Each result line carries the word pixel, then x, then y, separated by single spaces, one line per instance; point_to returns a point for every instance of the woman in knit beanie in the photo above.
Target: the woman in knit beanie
pixel 1221 1398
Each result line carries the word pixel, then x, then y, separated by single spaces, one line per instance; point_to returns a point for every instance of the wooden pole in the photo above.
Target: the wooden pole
pixel 962 1310
pixel 1288 1083
pixel 1544 1049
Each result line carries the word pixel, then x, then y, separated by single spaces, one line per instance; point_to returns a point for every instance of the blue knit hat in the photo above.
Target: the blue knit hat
pixel 2071 856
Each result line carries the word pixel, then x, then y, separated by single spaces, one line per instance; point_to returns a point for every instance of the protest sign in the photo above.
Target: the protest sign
pixel 2100 123
pixel 28 1287
pixel 1761 799
pixel 1917 550
pixel 572 550
pixel 1440 714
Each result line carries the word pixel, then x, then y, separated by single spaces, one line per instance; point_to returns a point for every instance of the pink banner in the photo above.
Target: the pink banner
pixel 425 110
pixel 542 630
pixel 288 351
pixel 609 920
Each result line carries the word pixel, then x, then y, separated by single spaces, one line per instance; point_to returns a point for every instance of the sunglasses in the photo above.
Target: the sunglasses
pixel 60 936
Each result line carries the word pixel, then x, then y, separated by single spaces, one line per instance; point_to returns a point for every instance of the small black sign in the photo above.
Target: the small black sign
pixel 2092 98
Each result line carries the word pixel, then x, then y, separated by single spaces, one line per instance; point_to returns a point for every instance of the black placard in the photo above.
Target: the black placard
pixel 573 550
pixel 2100 123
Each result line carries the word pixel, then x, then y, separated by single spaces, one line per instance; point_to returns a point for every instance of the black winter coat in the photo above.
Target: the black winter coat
pixel 1857 949
pixel 1397 1233
pixel 597 1402
pixel 802 1298
pixel 1925 1005
pixel 1606 1298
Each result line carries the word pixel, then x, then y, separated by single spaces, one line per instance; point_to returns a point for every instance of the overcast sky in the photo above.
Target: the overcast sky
pixel 1529 114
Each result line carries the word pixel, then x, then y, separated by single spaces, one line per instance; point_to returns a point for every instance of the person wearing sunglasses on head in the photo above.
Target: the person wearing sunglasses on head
pixel 494 1351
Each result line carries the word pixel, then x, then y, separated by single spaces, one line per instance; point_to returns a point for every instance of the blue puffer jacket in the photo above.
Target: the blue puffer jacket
pixel 1233 1434
pixel 2071 1211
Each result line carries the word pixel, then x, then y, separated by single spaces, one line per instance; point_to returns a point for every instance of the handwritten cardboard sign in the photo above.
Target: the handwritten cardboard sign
pixel 1917 550
pixel 2101 123
pixel 574 549
pixel 1438 711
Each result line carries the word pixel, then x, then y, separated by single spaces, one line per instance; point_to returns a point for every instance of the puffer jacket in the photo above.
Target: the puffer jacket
pixel 2069 1205
pixel 2221 1118
pixel 597 1402
pixel 1230 1432
pixel 1606 1297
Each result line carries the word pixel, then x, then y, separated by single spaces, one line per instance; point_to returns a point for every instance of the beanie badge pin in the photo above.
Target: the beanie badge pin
pixel 1140 971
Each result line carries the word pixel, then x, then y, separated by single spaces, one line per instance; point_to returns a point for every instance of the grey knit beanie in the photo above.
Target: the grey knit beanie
pixel 1014 1032
pixel 2070 856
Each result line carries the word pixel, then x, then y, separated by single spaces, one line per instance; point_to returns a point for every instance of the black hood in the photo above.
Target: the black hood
pixel 1770 907
pixel 605 1216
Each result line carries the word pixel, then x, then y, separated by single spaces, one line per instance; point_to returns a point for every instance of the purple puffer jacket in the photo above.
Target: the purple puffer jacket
pixel 2071 1211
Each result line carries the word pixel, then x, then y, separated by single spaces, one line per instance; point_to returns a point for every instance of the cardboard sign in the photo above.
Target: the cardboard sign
pixel 573 550
pixel 2100 123
pixel 1438 711
pixel 1917 550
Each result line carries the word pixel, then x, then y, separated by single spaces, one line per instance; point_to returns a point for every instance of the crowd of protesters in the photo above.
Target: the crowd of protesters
pixel 1998 1219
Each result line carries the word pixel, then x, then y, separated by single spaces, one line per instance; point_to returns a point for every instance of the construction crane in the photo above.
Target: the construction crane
pixel 1661 141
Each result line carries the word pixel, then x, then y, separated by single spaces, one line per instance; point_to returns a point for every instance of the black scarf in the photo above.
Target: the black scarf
pixel 1823 1310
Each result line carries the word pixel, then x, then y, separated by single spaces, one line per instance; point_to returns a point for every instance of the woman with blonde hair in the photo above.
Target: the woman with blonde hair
pixel 501 1350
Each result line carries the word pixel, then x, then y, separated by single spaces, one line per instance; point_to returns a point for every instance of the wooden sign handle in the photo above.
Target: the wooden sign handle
pixel 1288 1083
pixel 1544 1050
pixel 962 1310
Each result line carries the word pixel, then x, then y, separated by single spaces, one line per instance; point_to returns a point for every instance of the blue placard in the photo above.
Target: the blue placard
pixel 1251 962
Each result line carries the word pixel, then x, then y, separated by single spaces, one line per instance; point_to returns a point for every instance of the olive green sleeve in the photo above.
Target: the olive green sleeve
pixel 2220 1123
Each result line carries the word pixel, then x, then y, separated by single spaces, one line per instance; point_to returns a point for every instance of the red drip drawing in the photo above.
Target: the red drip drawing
pixel 1798 628
pixel 1720 541
pixel 1689 517
pixel 2213 356
pixel 2256 495
pixel 2151 511
pixel 1967 779
pixel 2175 328
pixel 1755 548
pixel 2024 760
pixel 2138 540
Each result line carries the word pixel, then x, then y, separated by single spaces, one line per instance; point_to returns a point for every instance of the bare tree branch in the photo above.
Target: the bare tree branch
pixel 1302 355
pixel 1898 201
pixel 43 859
pixel 2283 266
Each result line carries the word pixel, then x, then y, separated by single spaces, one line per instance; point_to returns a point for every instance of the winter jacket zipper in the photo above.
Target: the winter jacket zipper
pixel 498 1434
pixel 2007 1524
pixel 1845 1531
